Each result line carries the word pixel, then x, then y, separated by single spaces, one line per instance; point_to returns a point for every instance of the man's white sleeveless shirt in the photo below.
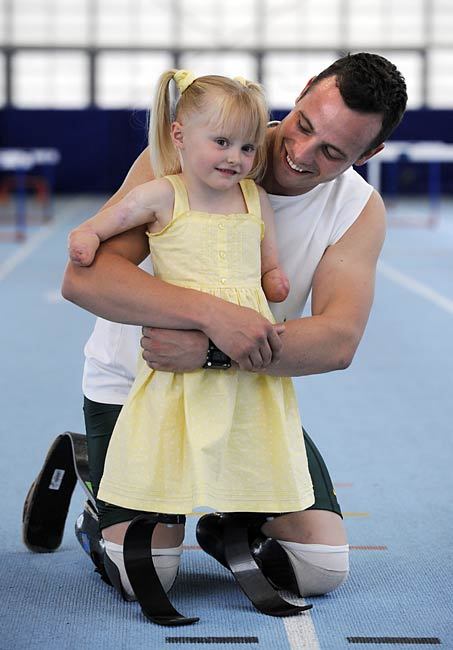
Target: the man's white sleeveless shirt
pixel 306 225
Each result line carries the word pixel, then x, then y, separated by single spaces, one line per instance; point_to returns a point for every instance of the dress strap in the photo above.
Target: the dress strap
pixel 181 198
pixel 251 196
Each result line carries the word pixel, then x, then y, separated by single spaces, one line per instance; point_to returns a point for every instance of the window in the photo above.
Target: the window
pixel 50 80
pixel 133 40
pixel 231 64
pixel 385 23
pixel 128 79
pixel 441 22
pixel 217 24
pixel 285 75
pixel 301 24
pixel 138 22
pixel 50 22
pixel 440 79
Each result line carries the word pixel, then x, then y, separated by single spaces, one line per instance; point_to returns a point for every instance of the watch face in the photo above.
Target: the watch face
pixel 216 358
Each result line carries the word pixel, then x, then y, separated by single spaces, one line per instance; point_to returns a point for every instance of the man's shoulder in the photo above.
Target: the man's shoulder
pixel 349 186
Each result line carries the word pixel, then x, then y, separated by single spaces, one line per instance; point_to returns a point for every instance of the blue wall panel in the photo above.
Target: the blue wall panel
pixel 98 146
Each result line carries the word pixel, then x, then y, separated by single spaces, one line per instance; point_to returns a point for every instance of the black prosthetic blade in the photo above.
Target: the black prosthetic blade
pixel 79 449
pixel 249 576
pixel 47 502
pixel 142 575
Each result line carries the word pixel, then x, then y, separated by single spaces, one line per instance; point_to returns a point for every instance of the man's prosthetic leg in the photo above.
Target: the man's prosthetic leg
pixel 44 516
pixel 141 571
pixel 47 502
pixel 234 551
pixel 304 569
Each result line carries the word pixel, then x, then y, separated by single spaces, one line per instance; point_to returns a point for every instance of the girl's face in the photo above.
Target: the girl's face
pixel 210 154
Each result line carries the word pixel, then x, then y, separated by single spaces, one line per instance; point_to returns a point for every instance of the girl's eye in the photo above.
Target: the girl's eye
pixel 248 148
pixel 222 142
pixel 303 128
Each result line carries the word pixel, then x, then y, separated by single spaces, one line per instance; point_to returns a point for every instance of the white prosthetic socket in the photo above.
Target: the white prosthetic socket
pixel 166 562
pixel 318 568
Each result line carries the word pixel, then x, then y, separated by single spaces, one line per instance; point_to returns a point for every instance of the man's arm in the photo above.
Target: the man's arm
pixel 114 288
pixel 342 296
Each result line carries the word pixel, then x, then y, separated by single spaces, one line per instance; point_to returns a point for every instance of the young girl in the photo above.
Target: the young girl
pixel 223 438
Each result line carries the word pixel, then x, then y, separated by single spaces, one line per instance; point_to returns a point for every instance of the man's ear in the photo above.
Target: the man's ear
pixel 307 86
pixel 369 154
pixel 177 134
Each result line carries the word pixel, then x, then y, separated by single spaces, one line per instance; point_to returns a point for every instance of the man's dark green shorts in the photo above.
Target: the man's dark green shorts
pixel 100 421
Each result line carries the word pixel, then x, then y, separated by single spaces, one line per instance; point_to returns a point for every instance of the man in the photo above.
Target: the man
pixel 330 227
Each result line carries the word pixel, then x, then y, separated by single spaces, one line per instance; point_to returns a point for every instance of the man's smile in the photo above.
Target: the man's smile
pixel 295 167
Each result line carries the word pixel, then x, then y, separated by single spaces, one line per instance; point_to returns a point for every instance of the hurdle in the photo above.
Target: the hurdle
pixel 27 169
pixel 435 153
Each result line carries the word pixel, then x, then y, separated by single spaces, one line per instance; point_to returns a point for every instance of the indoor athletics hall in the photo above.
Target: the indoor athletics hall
pixel 77 80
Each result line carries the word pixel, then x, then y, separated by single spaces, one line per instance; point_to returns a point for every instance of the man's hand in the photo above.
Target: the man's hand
pixel 186 350
pixel 174 350
pixel 245 336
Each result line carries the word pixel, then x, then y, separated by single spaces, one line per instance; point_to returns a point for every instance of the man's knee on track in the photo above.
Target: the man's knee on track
pixel 166 562
pixel 318 568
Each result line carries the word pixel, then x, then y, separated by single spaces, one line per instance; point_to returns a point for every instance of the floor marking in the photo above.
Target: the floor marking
pixel 25 250
pixel 416 287
pixel 397 640
pixel 211 639
pixel 345 514
pixel 196 547
pixel 53 296
pixel 34 241
pixel 368 548
pixel 300 629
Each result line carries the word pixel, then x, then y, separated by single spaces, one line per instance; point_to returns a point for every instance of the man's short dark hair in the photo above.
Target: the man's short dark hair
pixel 369 83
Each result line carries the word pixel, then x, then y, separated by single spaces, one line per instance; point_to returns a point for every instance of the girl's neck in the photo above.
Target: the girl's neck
pixel 204 198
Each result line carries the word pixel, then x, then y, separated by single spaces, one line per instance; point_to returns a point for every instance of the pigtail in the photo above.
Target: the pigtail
pixel 164 156
pixel 261 117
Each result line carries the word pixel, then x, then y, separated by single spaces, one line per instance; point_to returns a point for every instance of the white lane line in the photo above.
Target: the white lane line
pixel 300 629
pixel 25 250
pixel 53 296
pixel 35 240
pixel 416 287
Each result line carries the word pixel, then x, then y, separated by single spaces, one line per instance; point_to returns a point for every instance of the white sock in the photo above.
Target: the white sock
pixel 319 568
pixel 166 562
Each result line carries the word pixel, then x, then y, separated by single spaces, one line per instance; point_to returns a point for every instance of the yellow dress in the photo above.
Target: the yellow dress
pixel 225 439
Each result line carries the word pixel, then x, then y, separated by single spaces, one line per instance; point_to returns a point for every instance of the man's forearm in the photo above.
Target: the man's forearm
pixel 314 345
pixel 115 289
pixel 119 291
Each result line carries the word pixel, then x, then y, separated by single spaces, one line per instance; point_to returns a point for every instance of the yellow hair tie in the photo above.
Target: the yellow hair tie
pixel 241 80
pixel 183 79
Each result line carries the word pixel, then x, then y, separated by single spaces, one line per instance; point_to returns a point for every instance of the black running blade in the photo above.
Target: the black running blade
pixel 249 576
pixel 142 575
pixel 47 502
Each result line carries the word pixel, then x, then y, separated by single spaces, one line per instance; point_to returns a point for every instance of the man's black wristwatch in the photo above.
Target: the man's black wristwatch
pixel 215 358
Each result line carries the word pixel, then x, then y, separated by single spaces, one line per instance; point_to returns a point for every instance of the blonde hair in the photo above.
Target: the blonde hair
pixel 236 105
